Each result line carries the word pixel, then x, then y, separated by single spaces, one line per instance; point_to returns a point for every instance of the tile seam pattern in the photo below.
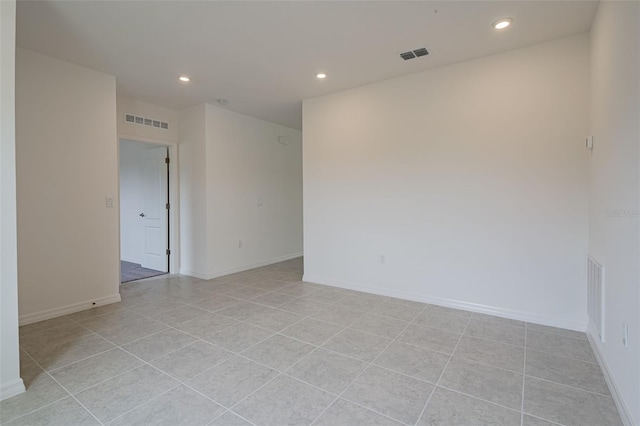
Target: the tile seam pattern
pixel 375 302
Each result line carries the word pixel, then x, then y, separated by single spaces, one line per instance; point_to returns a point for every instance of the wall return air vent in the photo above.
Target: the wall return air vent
pixel 595 296
pixel 134 119
pixel 412 54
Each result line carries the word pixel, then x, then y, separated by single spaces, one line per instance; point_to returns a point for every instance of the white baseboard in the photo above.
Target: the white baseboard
pixel 130 260
pixel 13 388
pixel 625 414
pixel 192 273
pixel 68 309
pixel 223 272
pixel 457 304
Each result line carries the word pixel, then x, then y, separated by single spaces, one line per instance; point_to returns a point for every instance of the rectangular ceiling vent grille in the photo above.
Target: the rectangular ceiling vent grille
pixel 407 55
pixel 134 119
pixel 412 54
pixel 421 52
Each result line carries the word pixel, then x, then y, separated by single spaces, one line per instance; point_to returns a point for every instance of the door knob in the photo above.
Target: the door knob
pixel 141 215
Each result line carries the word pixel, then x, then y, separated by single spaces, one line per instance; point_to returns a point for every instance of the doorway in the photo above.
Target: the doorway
pixel 144 210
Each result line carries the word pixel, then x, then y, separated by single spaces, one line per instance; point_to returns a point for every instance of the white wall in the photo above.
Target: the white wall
pixel 245 164
pixel 156 137
pixel 131 200
pixel 470 179
pixel 193 182
pixel 67 164
pixel 10 381
pixel 143 109
pixel 229 161
pixel 614 175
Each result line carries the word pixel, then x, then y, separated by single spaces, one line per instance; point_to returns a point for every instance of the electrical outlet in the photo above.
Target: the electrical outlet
pixel 108 202
pixel 625 335
pixel 239 243
pixel 382 258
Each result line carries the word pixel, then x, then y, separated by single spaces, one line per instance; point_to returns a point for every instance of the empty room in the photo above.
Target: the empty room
pixel 328 213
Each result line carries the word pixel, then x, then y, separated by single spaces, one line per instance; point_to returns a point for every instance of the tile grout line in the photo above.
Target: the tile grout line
pixel 92 356
pixel 494 341
pixel 366 368
pixel 279 307
pixel 39 408
pixel 283 373
pixel 570 387
pixel 144 403
pixel 316 347
pixel 473 361
pixel 563 357
pixel 479 399
pixel 280 373
pixel 279 332
pixel 313 350
pixel 176 350
pixel 546 420
pixel 233 353
pixel 338 397
pixel 66 390
pixel 187 385
pixel 394 340
pixel 382 367
pixel 54 370
pixel 116 346
pixel 35 410
pixel 368 312
pixel 385 316
pixel 180 381
pixel 230 412
pixel 557 334
pixel 442 372
pixel 459 356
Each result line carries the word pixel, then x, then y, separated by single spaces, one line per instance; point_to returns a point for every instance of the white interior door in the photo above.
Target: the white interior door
pixel 155 214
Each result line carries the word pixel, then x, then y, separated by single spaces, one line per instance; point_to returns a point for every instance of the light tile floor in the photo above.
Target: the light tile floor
pixel 263 348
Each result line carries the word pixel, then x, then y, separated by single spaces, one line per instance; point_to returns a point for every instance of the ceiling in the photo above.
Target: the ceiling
pixel 262 56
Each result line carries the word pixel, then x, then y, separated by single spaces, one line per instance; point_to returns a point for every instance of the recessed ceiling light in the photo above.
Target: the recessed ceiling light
pixel 503 23
pixel 321 75
pixel 222 101
pixel 184 79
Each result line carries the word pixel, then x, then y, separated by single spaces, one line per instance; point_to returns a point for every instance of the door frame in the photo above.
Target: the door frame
pixel 174 198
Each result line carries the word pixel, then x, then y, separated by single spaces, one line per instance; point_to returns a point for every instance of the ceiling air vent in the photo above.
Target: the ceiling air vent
pixel 421 52
pixel 412 54
pixel 134 119
pixel 407 55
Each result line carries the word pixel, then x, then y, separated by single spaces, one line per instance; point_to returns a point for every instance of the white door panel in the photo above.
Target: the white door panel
pixel 155 214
